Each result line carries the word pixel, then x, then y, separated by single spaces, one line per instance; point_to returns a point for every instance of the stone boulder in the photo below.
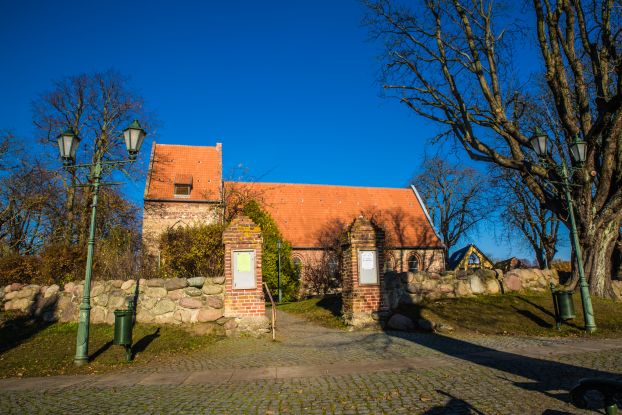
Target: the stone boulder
pixel 190 302
pixel 512 281
pixel 128 285
pixel 155 292
pixel 214 301
pixel 196 282
pixel 207 314
pixel 492 286
pixel 175 284
pixel 207 329
pixel 193 291
pixel 51 290
pixel 400 322
pixel 217 280
pixel 163 306
pixel 156 282
pixel 425 324
pixel 210 289
pixel 476 284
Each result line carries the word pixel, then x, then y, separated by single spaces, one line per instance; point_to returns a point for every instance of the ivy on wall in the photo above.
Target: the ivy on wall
pixel 271 235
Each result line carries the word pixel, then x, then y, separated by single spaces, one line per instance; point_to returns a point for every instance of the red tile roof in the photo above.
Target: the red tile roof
pixel 202 165
pixel 304 212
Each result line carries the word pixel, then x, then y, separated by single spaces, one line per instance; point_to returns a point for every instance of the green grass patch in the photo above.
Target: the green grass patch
pixel 29 348
pixel 514 314
pixel 517 314
pixel 325 311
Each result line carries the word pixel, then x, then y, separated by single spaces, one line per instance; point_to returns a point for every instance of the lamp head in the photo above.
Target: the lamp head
pixel 134 136
pixel 538 142
pixel 67 146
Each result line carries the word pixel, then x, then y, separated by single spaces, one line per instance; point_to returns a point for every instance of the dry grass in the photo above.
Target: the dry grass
pixel 28 348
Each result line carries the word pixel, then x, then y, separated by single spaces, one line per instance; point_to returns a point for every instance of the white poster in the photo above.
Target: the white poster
pixel 367 260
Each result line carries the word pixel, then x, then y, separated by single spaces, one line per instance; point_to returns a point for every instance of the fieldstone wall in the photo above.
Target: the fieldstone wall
pixel 412 288
pixel 194 301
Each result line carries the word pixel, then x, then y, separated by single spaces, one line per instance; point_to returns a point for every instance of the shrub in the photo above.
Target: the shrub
pixel 192 251
pixel 19 268
pixel 61 263
pixel 322 276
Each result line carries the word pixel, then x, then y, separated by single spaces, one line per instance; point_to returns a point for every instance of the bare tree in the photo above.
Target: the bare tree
pixel 96 107
pixel 522 213
pixel 451 62
pixel 455 198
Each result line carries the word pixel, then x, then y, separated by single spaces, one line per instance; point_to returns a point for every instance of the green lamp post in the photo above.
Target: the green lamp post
pixel 68 143
pixel 578 151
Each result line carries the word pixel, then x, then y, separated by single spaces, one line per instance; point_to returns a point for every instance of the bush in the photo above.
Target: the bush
pixel 19 268
pixel 192 251
pixel 61 264
pixel 269 263
pixel 322 276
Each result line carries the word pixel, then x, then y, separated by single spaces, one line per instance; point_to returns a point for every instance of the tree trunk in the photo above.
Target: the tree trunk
pixel 598 259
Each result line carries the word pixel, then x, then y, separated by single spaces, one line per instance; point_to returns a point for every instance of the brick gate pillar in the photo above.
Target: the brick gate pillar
pixel 244 298
pixel 365 302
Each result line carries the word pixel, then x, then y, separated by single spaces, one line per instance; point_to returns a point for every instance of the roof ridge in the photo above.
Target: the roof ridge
pixel 322 185
pixel 185 145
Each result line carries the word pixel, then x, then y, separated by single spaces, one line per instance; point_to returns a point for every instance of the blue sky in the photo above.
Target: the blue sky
pixel 289 87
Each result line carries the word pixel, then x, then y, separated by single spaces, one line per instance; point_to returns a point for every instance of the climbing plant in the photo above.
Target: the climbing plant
pixel 271 235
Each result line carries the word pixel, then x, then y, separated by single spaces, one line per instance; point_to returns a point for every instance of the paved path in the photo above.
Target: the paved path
pixel 312 369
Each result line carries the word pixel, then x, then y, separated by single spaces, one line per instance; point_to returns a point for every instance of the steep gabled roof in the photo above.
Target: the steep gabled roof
pixel 200 166
pixel 456 259
pixel 306 212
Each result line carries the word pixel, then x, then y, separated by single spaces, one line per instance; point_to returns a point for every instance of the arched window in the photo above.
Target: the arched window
pixel 389 263
pixel 473 260
pixel 297 265
pixel 413 263
pixel 333 265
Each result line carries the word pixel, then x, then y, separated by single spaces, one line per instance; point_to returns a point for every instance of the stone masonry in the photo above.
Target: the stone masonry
pixel 196 301
pixel 363 304
pixel 159 216
pixel 246 305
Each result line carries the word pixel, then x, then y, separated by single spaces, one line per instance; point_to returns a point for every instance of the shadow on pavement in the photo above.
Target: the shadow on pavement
pixel 543 375
pixel 454 406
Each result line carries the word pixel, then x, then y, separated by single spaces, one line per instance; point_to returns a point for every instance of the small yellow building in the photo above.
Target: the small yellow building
pixel 469 257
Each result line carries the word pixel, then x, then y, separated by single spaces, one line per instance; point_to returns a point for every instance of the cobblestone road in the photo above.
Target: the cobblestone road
pixel 314 370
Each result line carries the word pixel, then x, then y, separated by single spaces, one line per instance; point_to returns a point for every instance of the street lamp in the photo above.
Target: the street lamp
pixel 278 245
pixel 134 136
pixel 578 150
pixel 67 145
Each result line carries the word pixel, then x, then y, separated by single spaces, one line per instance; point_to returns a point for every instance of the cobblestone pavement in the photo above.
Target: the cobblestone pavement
pixel 315 370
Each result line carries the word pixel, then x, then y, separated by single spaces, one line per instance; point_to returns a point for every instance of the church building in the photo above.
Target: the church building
pixel 185 186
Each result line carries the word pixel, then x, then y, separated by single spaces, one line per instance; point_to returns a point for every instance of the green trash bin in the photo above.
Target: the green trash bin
pixel 565 305
pixel 123 321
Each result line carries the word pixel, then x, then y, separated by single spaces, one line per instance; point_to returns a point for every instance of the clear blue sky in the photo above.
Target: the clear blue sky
pixel 289 87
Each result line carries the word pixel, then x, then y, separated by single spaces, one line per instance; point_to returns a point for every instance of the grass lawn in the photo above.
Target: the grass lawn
pixel 325 311
pixel 510 314
pixel 36 349
pixel 517 314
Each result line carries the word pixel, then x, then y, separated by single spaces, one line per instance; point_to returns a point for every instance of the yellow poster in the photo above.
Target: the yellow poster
pixel 243 261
